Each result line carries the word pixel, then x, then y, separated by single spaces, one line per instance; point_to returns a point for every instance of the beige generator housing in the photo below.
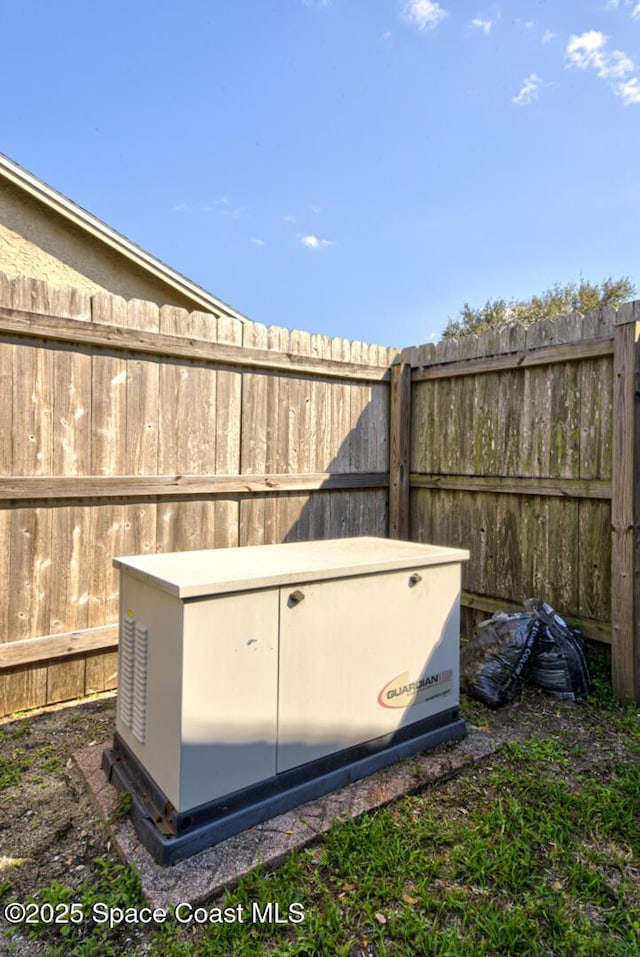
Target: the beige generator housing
pixel 253 679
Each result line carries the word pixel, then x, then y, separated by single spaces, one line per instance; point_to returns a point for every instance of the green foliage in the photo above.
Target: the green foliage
pixel 19 761
pixel 114 885
pixel 533 852
pixel 526 857
pixel 557 301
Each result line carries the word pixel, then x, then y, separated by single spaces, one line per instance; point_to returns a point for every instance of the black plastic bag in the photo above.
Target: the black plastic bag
pixel 493 662
pixel 558 664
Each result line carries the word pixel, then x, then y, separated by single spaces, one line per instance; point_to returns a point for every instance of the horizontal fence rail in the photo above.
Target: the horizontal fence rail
pixel 143 486
pixel 14 322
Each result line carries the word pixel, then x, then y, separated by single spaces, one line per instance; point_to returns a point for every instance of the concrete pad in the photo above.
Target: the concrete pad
pixel 207 873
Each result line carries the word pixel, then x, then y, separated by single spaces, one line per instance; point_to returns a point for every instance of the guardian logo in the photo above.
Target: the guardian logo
pixel 402 693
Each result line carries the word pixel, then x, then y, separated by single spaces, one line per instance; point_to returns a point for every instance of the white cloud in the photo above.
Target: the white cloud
pixel 312 242
pixel 425 14
pixel 484 25
pixel 529 91
pixel 256 241
pixel 181 208
pixel 588 51
pixel 629 91
pixel 548 36
pixel 614 4
pixel 319 4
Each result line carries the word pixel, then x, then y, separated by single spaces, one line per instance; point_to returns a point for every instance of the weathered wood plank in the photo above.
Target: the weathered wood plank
pixel 596 426
pixel 17 322
pixel 421 428
pixel 29 609
pixel 625 509
pixel 564 418
pixel 509 548
pixel 564 554
pixel 177 486
pixel 71 455
pixel 142 439
pixel 101 672
pixel 593 629
pixel 5 572
pixel 273 430
pixel 7 360
pixel 377 424
pixel 50 647
pixel 340 411
pixel 360 394
pixel 106 522
pixel 65 680
pixel 23 688
pixel 253 437
pixel 536 423
pixel 72 556
pixel 516 485
pixel 321 399
pixel 482 574
pixel 302 436
pixel 319 506
pixel 228 417
pixel 108 458
pixel 400 451
pixel 359 438
pixel 187 434
pixel 594 598
pixel 31 570
pixel 510 405
pixel 524 359
pixel 142 397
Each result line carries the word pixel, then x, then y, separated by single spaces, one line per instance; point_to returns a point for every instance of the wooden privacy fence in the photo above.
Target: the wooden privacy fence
pixel 126 428
pixel 524 448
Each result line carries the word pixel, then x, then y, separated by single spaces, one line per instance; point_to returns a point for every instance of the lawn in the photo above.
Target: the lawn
pixel 535 851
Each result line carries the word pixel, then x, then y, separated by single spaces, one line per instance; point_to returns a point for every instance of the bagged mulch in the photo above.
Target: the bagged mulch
pixel 538 644
pixel 558 664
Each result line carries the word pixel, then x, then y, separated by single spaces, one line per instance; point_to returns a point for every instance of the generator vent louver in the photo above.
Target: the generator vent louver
pixel 132 683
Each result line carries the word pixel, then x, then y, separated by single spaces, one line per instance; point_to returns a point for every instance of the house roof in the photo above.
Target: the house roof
pixel 93 226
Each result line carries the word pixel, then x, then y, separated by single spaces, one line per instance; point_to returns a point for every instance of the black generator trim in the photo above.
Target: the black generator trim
pixel 171 836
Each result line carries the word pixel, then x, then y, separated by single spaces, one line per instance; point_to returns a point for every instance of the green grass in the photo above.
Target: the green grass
pixel 528 854
pixel 21 760
pixel 113 884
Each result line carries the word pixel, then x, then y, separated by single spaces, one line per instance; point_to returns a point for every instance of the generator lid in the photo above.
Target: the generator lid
pixel 220 570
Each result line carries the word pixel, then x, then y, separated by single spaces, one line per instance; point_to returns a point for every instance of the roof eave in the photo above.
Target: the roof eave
pixel 100 231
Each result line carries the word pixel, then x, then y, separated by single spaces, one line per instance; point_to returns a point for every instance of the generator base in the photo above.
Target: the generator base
pixel 172 836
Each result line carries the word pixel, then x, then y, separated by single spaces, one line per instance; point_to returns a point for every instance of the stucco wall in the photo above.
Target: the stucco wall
pixel 36 241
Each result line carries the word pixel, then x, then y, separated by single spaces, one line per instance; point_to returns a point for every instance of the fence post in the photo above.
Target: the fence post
pixel 625 506
pixel 399 450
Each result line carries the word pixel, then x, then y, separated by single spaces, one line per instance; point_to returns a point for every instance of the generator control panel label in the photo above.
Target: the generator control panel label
pixel 401 692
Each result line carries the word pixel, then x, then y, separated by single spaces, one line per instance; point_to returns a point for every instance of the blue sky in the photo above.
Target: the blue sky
pixel 352 167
